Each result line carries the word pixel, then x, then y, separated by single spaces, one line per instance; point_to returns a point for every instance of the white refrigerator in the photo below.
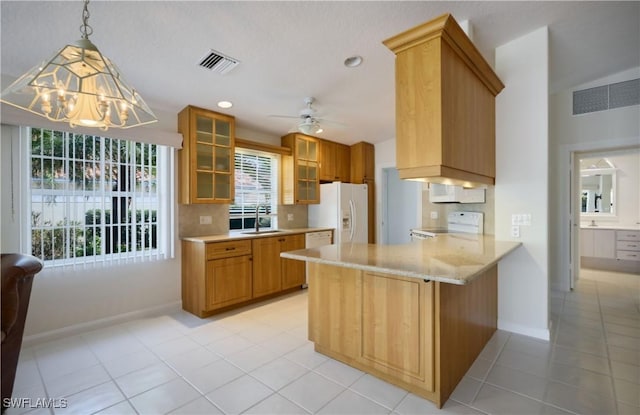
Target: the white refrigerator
pixel 343 207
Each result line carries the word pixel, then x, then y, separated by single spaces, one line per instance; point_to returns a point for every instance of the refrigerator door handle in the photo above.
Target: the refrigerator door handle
pixel 352 207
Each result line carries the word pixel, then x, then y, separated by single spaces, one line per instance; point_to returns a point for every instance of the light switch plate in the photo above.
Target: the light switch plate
pixel 205 220
pixel 434 215
pixel 289 217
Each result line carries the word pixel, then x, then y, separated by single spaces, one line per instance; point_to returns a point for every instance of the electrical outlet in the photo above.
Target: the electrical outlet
pixel 434 215
pixel 205 220
pixel 515 231
pixel 289 217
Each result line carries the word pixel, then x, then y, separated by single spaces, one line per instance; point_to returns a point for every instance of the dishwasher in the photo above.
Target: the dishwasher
pixel 313 240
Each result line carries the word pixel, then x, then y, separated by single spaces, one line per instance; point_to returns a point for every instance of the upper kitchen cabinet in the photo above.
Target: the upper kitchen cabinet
pixel 363 160
pixel 300 171
pixel 445 106
pixel 335 161
pixel 206 158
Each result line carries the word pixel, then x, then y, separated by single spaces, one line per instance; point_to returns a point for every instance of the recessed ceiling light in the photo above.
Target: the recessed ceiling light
pixel 225 104
pixel 353 61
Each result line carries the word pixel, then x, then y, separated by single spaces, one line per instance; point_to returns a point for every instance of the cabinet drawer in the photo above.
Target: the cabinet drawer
pixel 228 249
pixel 628 235
pixel 628 255
pixel 627 246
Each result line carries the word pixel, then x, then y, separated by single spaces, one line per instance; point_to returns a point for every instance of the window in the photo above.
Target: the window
pixel 93 197
pixel 256 180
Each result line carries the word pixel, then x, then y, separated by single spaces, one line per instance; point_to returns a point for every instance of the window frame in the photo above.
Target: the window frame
pixel 164 204
pixel 247 219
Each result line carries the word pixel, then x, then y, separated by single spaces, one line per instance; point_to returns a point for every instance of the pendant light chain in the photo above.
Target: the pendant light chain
pixel 85 29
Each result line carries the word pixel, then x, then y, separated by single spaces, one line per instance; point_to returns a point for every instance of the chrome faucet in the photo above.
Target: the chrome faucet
pixel 258 217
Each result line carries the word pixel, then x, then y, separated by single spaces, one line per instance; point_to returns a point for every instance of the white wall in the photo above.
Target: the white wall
pixel 602 130
pixel 64 300
pixel 522 182
pixel 385 157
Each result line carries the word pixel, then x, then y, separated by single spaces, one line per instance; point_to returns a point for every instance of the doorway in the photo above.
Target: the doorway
pixel 598 200
pixel 401 207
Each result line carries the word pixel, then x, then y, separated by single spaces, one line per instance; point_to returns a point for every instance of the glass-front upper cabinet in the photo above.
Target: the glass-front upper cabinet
pixel 301 183
pixel 206 157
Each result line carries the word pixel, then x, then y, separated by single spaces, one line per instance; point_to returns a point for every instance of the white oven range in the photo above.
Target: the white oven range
pixel 457 222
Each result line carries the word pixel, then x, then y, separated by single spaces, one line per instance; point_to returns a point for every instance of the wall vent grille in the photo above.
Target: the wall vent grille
pixel 218 62
pixel 606 97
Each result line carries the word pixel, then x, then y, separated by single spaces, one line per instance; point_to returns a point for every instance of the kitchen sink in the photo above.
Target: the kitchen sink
pixel 262 232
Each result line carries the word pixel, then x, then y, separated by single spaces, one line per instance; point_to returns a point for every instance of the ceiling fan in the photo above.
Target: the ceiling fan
pixel 309 120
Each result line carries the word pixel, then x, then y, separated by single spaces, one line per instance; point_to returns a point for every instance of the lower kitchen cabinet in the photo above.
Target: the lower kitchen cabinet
pixel 228 281
pixel 215 275
pixel 220 275
pixel 293 272
pixel 272 273
pixel 266 267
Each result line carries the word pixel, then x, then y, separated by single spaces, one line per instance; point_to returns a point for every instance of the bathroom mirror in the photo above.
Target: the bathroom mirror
pixel 598 192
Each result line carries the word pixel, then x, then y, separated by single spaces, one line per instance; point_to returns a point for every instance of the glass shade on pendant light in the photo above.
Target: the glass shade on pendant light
pixel 80 86
pixel 310 126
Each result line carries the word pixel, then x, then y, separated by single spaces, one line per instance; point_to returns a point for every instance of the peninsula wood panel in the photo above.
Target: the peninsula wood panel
pixel 466 318
pixel 422 336
pixel 293 271
pixel 397 327
pixel 334 308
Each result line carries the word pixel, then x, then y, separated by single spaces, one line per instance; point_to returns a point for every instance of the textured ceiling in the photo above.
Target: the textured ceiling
pixel 289 50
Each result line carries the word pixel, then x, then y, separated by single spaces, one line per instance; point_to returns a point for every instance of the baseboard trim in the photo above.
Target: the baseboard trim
pixel 543 334
pixel 80 328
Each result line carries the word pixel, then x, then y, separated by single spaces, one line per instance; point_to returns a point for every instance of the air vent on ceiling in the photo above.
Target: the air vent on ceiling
pixel 217 62
pixel 606 97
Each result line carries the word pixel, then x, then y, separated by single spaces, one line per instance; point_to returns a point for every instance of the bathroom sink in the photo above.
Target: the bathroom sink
pixel 262 232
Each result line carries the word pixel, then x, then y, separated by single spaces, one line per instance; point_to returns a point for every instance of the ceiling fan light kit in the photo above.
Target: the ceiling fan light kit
pixel 81 86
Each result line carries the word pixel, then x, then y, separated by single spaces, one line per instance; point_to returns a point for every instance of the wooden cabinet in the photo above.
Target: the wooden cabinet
pixel 215 275
pixel 363 171
pixel 420 335
pixel 272 273
pixel 228 281
pixel 293 272
pixel 598 243
pixel 445 105
pixel 300 172
pixel 335 162
pixel 206 159
pixel 362 162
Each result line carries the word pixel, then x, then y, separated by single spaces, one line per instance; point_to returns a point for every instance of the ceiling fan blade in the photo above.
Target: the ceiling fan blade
pixel 330 122
pixel 284 116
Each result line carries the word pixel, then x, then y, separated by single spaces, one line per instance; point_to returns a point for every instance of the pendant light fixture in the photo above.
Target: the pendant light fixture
pixel 80 86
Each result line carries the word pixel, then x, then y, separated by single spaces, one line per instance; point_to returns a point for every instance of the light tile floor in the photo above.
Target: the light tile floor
pixel 258 361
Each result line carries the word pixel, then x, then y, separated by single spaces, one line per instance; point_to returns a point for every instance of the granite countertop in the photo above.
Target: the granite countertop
pixel 239 234
pixel 446 258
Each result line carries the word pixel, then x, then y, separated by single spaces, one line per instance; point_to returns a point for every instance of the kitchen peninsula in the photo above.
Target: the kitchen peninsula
pixel 416 315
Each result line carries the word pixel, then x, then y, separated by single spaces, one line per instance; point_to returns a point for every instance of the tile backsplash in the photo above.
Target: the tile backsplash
pixel 189 218
pixel 488 208
pixel 300 218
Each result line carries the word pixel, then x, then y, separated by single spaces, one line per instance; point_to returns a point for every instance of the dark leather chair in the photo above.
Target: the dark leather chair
pixel 17 274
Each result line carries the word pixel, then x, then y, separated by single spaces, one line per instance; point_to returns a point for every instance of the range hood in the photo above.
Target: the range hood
pixel 445 106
